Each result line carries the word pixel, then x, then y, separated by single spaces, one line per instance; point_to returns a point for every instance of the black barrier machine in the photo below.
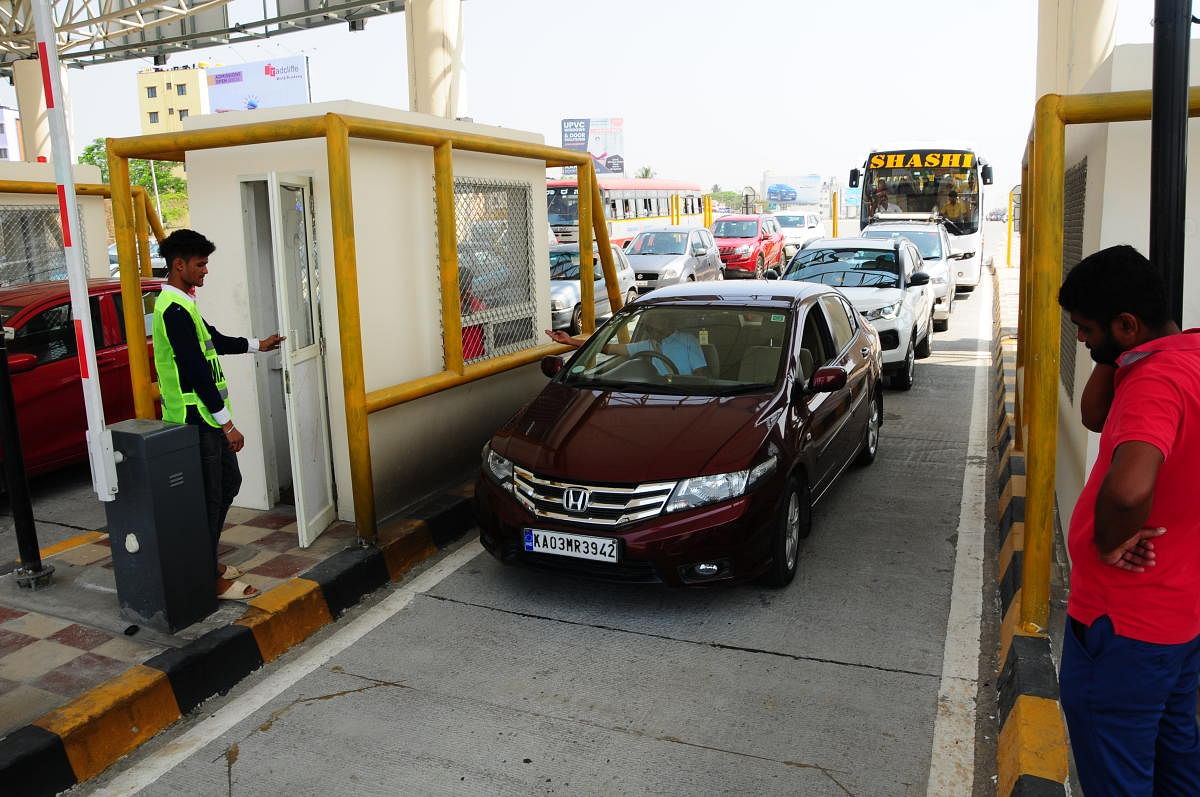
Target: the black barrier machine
pixel 158 527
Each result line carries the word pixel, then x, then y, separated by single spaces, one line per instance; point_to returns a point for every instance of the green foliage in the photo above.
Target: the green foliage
pixel 175 212
pixel 731 198
pixel 139 170
pixel 644 173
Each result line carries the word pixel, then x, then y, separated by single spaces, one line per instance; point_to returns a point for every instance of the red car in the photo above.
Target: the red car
pixel 687 441
pixel 44 363
pixel 748 245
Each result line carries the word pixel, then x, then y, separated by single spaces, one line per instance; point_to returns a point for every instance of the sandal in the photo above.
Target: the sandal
pixel 239 591
pixel 232 573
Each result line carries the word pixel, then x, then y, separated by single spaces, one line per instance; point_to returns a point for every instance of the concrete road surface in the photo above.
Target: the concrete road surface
pixel 475 678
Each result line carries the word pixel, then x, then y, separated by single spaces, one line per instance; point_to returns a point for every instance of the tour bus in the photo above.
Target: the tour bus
pixel 925 178
pixel 630 205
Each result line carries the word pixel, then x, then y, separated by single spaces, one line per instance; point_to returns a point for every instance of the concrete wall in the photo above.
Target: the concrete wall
pixel 1118 212
pixel 414 446
pixel 91 209
pixel 1074 37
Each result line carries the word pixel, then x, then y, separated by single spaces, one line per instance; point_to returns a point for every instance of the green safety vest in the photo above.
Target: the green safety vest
pixel 174 400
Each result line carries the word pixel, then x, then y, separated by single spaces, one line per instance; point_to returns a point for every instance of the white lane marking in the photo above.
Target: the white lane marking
pixel 145 773
pixel 952 764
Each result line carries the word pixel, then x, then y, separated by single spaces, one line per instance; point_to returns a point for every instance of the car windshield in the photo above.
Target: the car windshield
pixel 694 350
pixel 659 243
pixel 845 268
pixel 564 264
pixel 735 229
pixel 929 244
pixel 790 221
pixel 562 205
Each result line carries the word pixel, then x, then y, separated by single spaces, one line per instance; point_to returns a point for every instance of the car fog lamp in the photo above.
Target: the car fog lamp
pixel 707 569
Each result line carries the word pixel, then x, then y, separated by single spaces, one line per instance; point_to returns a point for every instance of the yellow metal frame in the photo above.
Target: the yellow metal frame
pixel 337 130
pixel 1039 316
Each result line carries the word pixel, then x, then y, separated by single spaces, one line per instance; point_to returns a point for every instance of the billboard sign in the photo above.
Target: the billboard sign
pixel 786 189
pixel 260 84
pixel 603 139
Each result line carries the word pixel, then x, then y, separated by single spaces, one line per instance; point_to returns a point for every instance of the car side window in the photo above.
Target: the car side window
pixel 50 335
pixel 148 299
pixel 839 323
pixel 816 339
pixel 850 313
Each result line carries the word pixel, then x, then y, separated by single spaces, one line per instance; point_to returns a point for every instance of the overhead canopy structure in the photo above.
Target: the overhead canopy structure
pixel 102 31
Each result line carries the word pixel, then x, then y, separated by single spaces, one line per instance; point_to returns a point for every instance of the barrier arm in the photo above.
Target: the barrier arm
pixel 607 263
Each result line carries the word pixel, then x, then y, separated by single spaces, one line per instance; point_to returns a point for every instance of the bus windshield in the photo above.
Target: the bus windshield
pixel 951 191
pixel 562 205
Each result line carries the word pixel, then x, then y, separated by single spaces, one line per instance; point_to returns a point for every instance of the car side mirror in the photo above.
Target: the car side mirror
pixel 551 365
pixel 771 274
pixel 21 362
pixel 827 380
pixel 854 175
pixel 700 251
pixel 917 279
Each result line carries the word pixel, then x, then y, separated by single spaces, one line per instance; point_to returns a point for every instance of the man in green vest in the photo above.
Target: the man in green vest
pixel 193 389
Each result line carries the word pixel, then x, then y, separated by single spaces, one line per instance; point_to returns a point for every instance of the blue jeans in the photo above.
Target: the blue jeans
pixel 1131 712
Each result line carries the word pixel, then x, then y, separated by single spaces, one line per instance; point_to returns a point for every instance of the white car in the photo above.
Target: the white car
pixel 933 243
pixel 885 282
pixel 799 228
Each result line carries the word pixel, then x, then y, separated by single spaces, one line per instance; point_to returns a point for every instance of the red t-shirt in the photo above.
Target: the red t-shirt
pixel 1157 401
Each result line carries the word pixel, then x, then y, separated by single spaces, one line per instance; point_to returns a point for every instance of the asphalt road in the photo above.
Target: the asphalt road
pixel 474 678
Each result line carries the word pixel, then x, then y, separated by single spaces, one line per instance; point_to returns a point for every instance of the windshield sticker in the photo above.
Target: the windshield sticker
pixel 777 317
pixel 911 160
pixel 703 337
pixel 577 369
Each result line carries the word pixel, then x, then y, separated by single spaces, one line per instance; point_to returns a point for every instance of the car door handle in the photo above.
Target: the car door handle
pixel 865 351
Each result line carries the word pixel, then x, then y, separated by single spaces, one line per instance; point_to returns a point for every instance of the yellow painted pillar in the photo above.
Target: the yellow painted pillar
pixel 447 226
pixel 607 263
pixel 833 212
pixel 131 285
pixel 142 228
pixel 587 288
pixel 708 211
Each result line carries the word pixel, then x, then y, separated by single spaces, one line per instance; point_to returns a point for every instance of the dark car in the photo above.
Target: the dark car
pixel 688 440
pixel 44 361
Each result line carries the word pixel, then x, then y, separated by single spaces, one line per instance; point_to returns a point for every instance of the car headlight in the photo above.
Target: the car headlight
pixel 498 468
pixel 702 490
pixel 744 249
pixel 558 304
pixel 938 280
pixel 886 313
pixel 669 273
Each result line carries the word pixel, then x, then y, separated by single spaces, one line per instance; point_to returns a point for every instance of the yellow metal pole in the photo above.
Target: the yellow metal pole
pixel 447 227
pixel 156 225
pixel 1022 296
pixel 131 287
pixel 1041 376
pixel 142 228
pixel 833 212
pixel 708 210
pixel 607 264
pixel 587 288
pixel 1009 225
pixel 345 264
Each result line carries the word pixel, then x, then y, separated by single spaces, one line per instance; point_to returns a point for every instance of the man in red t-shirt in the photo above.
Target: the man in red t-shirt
pixel 1131 656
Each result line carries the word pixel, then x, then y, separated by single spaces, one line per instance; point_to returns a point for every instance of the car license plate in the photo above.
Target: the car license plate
pixel 578 546
pixel 642 283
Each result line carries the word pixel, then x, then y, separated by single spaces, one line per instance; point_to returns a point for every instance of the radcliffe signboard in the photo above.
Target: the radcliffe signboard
pixel 603 139
pixel 260 84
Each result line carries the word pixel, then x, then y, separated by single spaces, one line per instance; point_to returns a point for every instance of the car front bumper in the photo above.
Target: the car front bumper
pixel 661 549
pixel 646 281
pixel 561 319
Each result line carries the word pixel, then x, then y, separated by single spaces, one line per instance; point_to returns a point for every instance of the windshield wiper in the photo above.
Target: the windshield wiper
pixel 633 387
pixel 753 387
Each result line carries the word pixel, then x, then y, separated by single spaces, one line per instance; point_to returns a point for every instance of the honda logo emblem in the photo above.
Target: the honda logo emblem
pixel 576 499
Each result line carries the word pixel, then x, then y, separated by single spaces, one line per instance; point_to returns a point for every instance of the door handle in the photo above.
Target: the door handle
pixel 865 350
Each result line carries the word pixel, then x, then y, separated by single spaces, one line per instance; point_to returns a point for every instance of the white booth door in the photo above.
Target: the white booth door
pixel 297 282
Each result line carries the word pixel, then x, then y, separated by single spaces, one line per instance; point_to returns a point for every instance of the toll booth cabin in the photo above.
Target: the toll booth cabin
pixel 267 209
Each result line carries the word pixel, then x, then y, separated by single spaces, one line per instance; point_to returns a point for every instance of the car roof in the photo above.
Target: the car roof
pixel 740 217
pixel 33 292
pixel 848 243
pixel 670 228
pixel 766 292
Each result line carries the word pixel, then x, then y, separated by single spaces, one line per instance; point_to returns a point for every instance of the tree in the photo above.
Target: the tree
pixel 716 189
pixel 139 170
pixel 644 173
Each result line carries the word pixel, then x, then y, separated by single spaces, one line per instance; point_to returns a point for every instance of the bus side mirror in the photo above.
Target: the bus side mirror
pixel 854 173
pixel 987 175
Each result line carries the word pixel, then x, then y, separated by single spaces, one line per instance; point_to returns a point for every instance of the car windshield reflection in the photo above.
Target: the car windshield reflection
pixel 845 268
pixel 685 350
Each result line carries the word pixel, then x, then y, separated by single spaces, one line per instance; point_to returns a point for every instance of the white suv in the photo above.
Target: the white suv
pixel 799 228
pixel 884 281
pixel 933 244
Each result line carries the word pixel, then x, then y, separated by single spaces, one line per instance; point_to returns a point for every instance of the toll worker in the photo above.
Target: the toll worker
pixel 1131 649
pixel 193 389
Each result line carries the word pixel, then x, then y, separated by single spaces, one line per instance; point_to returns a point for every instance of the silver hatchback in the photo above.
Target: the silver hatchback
pixel 672 256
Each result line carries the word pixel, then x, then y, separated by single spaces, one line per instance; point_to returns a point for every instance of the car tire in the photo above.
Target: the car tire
pixel 903 379
pixel 870 443
pixel 759 268
pixel 577 320
pixel 925 347
pixel 792 524
pixel 941 326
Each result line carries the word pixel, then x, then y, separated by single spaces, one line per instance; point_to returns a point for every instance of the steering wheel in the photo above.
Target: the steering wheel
pixel 650 354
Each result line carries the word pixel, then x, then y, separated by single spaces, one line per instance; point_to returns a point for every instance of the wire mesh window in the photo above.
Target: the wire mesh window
pixel 496 277
pixel 31 245
pixel 1074 199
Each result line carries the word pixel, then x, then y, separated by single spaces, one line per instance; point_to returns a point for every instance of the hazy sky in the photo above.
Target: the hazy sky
pixel 710 90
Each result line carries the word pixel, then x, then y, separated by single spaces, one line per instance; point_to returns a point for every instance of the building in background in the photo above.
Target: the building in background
pixel 169 95
pixel 603 139
pixel 258 84
pixel 10 135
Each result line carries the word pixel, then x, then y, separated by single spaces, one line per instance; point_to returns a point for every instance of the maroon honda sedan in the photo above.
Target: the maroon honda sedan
pixel 687 441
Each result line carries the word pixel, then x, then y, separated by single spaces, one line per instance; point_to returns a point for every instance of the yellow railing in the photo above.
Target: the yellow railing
pixel 1039 316
pixel 337 130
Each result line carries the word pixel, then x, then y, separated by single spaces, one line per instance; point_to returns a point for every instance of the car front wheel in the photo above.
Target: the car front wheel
pixel 577 320
pixel 792 525
pixel 758 268
pixel 870 444
pixel 903 379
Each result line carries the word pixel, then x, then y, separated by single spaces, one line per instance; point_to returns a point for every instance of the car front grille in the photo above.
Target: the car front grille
pixel 889 339
pixel 646 275
pixel 607 505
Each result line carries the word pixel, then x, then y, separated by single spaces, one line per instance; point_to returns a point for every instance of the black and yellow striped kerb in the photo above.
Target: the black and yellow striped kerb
pixel 80 740
pixel 1031 757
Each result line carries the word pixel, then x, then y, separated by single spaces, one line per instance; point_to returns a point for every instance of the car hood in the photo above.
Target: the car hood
pixel 867 299
pixel 653 262
pixel 564 287
pixel 592 435
pixel 734 242
pixel 939 268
